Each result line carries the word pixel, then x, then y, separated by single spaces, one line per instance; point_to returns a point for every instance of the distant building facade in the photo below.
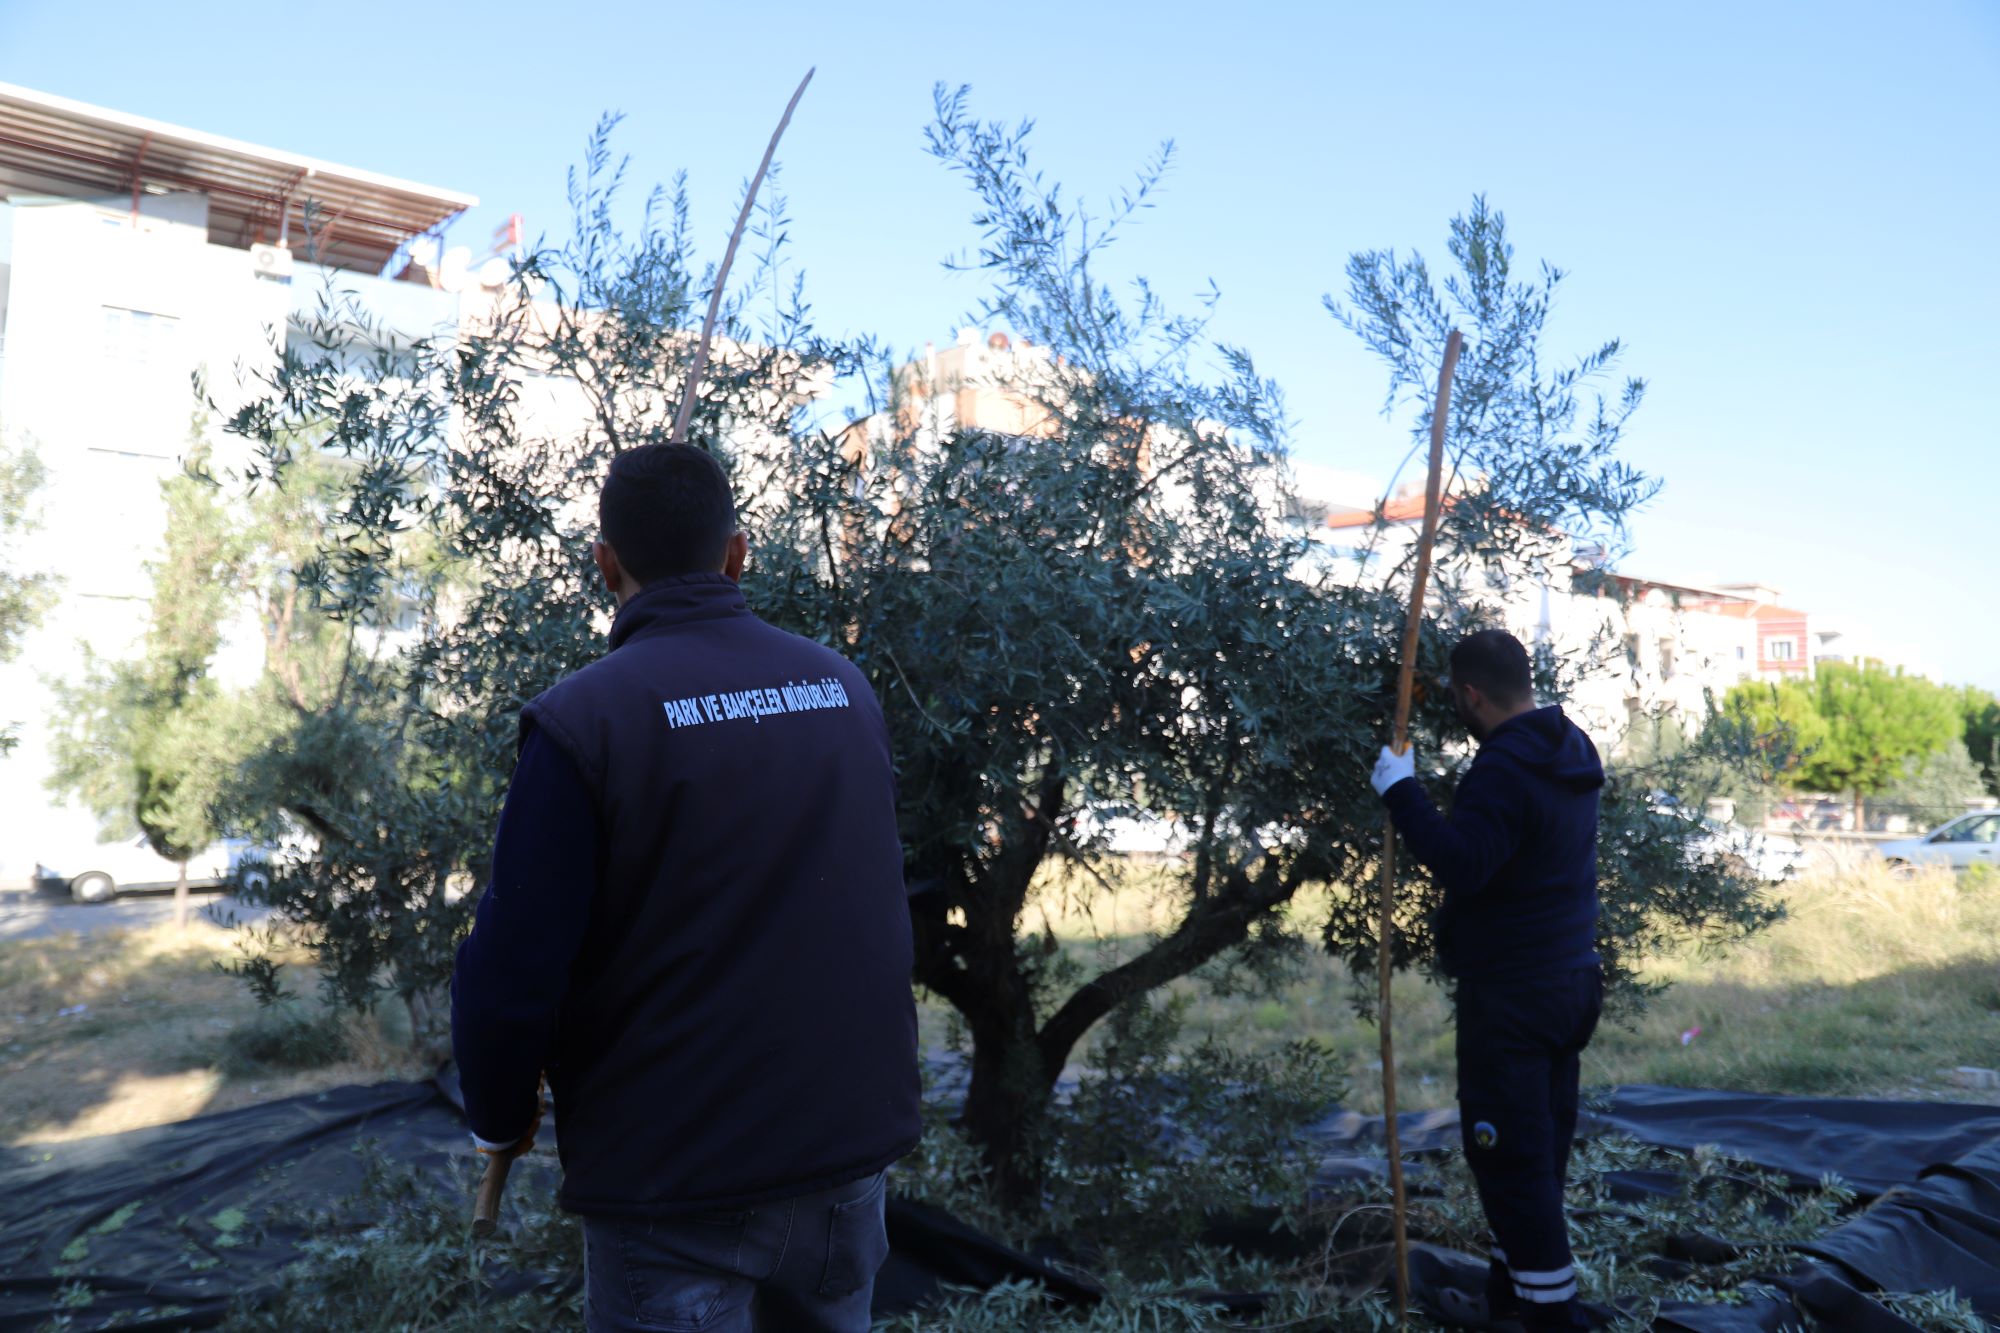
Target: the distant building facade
pixel 1641 647
pixel 135 255
pixel 1635 648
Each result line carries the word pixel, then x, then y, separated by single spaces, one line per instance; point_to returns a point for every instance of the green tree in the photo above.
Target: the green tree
pixel 1782 717
pixel 1934 787
pixel 1981 712
pixel 452 553
pixel 145 742
pixel 24 592
pixel 328 766
pixel 1729 755
pixel 1097 612
pixel 1876 719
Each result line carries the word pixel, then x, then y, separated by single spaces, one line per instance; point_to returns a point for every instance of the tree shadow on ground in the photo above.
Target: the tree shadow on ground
pixel 119 1029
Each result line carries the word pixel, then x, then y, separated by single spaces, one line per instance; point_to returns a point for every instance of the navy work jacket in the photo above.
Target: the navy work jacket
pixel 696 921
pixel 1517 856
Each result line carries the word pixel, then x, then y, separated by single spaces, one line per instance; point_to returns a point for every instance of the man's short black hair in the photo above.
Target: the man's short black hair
pixel 1493 662
pixel 666 510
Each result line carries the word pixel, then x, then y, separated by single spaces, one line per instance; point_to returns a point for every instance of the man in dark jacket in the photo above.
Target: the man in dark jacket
pixel 696 927
pixel 1517 859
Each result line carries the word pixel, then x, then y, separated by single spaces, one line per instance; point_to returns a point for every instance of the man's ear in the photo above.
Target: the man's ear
pixel 608 566
pixel 733 557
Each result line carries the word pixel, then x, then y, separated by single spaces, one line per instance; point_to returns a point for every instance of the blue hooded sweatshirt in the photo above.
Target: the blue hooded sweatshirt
pixel 1517 857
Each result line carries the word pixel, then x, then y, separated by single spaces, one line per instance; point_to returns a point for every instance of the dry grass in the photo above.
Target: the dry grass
pixel 150 1044
pixel 1873 986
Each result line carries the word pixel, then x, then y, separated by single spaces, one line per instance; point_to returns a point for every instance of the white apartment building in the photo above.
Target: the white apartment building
pixel 1639 646
pixel 134 255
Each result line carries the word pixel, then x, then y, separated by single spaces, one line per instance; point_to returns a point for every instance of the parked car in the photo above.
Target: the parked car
pixel 1769 857
pixel 1131 832
pixel 98 872
pixel 1787 812
pixel 1970 840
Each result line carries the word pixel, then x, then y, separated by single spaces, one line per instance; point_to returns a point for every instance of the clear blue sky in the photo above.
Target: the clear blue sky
pixel 1787 210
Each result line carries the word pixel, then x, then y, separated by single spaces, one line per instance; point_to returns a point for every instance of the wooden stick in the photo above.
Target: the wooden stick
pixel 1405 684
pixel 486 1203
pixel 700 363
pixel 493 1180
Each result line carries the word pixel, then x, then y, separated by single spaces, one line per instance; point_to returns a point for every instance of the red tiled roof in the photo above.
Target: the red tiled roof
pixel 1400 509
pixel 1753 611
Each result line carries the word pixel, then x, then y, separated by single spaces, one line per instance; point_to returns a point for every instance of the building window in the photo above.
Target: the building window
pixel 1740 654
pixel 1779 650
pixel 141 352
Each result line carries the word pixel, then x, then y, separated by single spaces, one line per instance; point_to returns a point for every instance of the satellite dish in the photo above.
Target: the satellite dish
pixel 494 272
pixel 424 252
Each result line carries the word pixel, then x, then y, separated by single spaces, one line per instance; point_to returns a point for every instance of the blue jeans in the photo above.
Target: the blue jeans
pixel 804 1265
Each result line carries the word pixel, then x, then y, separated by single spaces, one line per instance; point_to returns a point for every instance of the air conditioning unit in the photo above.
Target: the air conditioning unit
pixel 271 261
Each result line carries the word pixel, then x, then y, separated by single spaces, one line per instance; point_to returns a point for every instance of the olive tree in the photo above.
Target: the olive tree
pixel 1100 610
pixel 453 481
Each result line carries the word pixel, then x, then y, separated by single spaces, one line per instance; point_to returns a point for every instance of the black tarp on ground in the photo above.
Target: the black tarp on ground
pixel 189 1215
pixel 1931 1170
pixel 1872 1145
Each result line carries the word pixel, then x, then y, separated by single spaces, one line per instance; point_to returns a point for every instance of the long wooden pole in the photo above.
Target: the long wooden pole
pixel 700 362
pixel 493 1179
pixel 1405 683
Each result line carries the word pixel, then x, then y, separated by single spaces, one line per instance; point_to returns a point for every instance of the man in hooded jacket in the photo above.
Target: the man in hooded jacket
pixel 1517 860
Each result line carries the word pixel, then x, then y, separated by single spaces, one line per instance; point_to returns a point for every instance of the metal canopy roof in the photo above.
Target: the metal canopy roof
pixel 52 146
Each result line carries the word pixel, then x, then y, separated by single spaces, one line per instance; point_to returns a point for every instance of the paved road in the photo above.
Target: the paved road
pixel 27 914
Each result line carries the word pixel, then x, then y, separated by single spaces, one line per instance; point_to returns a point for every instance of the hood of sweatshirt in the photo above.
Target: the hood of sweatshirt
pixel 1548 744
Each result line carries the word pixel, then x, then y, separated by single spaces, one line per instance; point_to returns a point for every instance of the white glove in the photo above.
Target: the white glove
pixel 1392 768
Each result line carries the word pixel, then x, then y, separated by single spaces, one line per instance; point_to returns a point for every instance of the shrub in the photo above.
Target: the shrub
pixel 284 1036
pixel 1156 1144
pixel 400 1257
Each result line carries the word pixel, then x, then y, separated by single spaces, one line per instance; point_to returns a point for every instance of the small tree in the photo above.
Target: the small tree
pixel 1933 788
pixel 1728 755
pixel 144 742
pixel 325 738
pixel 449 554
pixel 24 592
pixel 1876 719
pixel 1981 712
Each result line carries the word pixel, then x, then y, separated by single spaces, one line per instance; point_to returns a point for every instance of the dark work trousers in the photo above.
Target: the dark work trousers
pixel 1520 1044
pixel 804 1265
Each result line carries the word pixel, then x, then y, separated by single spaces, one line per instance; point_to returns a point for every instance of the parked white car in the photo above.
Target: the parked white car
pixel 97 872
pixel 1769 857
pixel 1137 834
pixel 1970 840
pixel 1773 859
